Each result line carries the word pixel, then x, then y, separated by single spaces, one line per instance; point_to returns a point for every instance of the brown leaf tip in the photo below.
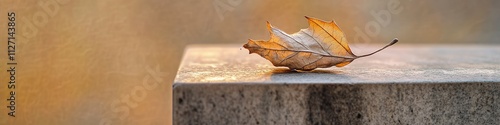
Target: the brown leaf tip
pixel 269 26
pixel 246 45
pixel 249 46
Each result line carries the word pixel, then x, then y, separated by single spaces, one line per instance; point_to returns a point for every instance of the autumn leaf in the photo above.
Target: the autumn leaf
pixel 322 45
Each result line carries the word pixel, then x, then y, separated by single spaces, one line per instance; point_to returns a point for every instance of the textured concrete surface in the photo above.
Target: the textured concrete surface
pixel 405 84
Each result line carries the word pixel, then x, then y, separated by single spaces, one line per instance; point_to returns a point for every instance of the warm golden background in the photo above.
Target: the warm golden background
pixel 89 58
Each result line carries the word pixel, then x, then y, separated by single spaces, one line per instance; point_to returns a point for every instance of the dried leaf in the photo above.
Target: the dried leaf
pixel 322 45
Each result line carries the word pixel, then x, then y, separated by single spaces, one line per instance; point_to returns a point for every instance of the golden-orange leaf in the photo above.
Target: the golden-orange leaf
pixel 322 45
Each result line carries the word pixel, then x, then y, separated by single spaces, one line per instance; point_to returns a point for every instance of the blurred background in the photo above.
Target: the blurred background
pixel 113 61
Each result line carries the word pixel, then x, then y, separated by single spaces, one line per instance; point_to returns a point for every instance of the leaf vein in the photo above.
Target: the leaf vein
pixel 316 42
pixel 306 52
pixel 289 57
pixel 312 62
pixel 333 37
pixel 292 38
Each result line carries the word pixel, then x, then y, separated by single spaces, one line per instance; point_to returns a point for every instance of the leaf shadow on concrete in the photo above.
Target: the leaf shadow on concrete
pixel 315 76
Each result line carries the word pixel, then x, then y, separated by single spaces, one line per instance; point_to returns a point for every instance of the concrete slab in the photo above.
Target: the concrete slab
pixel 405 84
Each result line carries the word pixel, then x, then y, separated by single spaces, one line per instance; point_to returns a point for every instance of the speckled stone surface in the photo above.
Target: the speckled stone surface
pixel 405 84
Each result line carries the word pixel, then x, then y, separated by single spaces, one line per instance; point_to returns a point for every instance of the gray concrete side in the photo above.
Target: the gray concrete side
pixel 401 85
pixel 301 104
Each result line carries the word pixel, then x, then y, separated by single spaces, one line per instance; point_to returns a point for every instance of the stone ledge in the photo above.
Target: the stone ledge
pixel 405 84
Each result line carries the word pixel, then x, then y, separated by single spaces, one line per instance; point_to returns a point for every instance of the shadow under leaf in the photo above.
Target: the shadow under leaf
pixel 286 75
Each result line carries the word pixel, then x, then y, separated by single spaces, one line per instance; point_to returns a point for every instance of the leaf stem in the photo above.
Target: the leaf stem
pixel 390 44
